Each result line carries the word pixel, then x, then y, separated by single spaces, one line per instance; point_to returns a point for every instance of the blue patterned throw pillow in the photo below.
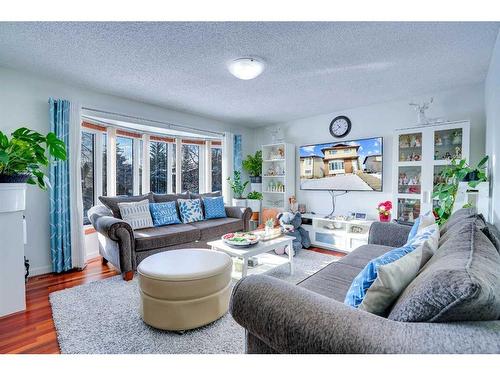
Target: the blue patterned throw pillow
pixel 164 213
pixel 214 207
pixel 422 222
pixel 190 210
pixel 367 276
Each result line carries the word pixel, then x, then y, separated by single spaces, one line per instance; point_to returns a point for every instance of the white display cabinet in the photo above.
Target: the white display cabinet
pixel 420 154
pixel 278 175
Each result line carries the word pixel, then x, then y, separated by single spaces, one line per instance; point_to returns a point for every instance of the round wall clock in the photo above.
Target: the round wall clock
pixel 340 126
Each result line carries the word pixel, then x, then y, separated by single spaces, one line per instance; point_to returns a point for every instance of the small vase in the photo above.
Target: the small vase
pixel 384 218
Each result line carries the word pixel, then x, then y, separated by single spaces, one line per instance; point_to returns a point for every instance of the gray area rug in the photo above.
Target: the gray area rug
pixel 103 317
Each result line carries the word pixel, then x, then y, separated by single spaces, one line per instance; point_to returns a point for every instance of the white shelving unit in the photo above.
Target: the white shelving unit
pixel 278 175
pixel 333 234
pixel 420 155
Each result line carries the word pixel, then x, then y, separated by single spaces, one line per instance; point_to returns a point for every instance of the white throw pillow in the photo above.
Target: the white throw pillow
pixel 136 214
pixel 393 278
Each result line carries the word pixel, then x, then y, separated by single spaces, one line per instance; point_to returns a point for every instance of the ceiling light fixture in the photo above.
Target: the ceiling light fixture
pixel 246 68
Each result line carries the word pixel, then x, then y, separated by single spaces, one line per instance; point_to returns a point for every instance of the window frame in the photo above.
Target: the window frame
pixel 135 163
pixel 213 145
pixel 98 150
pixel 169 143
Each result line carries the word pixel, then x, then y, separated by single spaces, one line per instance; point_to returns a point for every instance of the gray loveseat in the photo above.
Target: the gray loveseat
pixel 311 317
pixel 125 248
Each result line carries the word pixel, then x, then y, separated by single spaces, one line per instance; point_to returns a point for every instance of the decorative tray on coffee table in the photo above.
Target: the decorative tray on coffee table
pixel 240 239
pixel 270 235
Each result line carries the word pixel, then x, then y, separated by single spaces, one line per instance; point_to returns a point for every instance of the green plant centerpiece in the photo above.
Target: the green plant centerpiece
pixel 25 155
pixel 255 195
pixel 446 191
pixel 253 165
pixel 237 185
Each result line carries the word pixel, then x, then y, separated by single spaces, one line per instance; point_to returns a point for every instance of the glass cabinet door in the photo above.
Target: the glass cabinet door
pixel 448 144
pixel 409 180
pixel 408 209
pixel 410 147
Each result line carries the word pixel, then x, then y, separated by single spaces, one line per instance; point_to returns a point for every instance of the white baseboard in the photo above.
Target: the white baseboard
pixel 91 255
pixel 35 271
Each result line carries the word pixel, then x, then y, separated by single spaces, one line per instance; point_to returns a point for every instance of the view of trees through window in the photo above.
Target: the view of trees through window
pixel 141 165
pixel 158 167
pixel 104 164
pixel 190 168
pixel 87 171
pixel 216 169
pixel 124 166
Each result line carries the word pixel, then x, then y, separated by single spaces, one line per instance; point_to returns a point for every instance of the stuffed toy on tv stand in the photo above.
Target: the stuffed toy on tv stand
pixel 291 225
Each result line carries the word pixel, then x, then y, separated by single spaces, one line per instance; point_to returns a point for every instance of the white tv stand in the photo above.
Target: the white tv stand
pixel 334 234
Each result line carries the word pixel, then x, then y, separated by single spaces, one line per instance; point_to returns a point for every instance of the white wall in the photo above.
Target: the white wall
pixel 465 103
pixel 23 102
pixel 492 103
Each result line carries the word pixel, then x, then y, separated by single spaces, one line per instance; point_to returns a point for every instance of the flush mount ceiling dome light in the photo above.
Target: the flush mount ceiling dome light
pixel 246 68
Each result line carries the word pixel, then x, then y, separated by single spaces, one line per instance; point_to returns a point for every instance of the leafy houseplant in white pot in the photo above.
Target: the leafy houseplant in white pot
pixel 254 199
pixel 23 159
pixel 253 165
pixel 238 188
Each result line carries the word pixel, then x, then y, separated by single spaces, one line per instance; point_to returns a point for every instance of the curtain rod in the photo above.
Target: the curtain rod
pixel 105 123
pixel 153 121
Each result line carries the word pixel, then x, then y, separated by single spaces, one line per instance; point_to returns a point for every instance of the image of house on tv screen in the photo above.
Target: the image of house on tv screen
pixel 351 165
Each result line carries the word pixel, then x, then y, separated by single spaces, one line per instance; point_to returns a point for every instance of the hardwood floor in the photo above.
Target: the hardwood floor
pixel 33 331
pixel 328 252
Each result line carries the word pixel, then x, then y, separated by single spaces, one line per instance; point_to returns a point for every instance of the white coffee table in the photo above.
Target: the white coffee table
pixel 259 248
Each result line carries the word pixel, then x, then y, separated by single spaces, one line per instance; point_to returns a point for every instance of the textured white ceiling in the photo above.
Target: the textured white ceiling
pixel 312 68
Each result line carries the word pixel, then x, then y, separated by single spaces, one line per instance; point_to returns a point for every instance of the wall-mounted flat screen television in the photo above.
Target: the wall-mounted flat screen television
pixel 355 165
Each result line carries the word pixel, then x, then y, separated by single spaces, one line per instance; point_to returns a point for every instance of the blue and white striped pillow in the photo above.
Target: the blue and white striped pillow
pixel 136 214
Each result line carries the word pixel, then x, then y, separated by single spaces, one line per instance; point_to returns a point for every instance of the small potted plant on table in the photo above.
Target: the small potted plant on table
pixel 384 211
pixel 238 188
pixel 254 199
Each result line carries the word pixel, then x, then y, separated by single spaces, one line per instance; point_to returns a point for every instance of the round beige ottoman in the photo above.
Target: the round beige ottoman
pixel 184 289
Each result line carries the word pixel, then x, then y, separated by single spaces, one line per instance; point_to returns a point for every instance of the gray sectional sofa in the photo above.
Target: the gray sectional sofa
pixel 125 248
pixel 452 306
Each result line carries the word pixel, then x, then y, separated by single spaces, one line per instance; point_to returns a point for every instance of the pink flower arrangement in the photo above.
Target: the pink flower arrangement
pixel 384 208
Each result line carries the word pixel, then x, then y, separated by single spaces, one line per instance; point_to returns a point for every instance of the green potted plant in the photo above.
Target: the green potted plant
pixel 24 157
pixel 253 165
pixel 238 188
pixel 446 191
pixel 254 199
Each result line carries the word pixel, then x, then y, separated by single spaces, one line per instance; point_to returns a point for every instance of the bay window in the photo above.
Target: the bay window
pixel 135 163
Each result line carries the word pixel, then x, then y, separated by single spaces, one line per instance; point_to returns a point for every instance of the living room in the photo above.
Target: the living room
pixel 244 188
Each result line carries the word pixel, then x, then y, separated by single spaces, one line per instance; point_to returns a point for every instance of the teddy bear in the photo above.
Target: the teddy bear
pixel 291 224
